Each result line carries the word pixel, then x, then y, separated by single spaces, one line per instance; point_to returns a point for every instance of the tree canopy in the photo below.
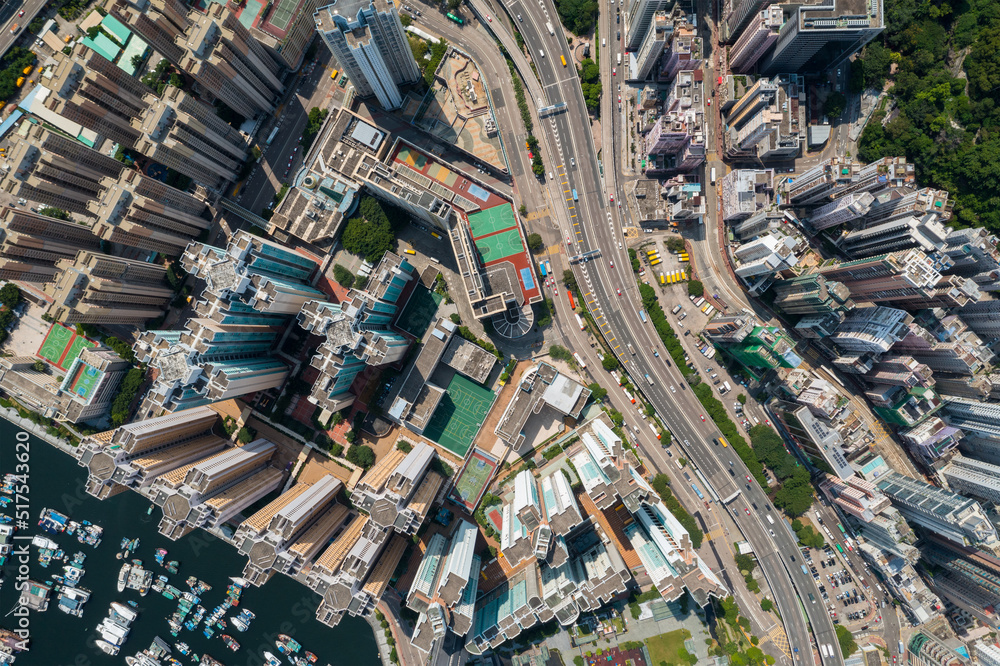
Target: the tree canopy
pixel 370 235
pixel 590 82
pixel 577 15
pixel 947 125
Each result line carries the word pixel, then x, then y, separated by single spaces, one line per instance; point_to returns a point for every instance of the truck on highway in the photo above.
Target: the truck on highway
pixel 649 379
pixel 902 649
pixel 770 519
pixel 619 59
pixel 653 428
pixel 804 570
pixel 642 316
pixel 579 360
pixel 713 175
pixel 575 197
pixel 548 24
pixel 630 348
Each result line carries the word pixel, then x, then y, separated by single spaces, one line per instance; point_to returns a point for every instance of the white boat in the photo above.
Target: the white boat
pixel 126 612
pixel 123 576
pixel 106 647
pixel 238 622
pixel 109 637
pixel 271 659
pixel 43 542
pixel 113 628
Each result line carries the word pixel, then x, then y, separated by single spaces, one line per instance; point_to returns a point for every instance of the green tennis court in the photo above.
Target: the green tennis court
pixel 499 246
pixel 459 415
pixel 420 311
pixel 283 14
pixel 491 220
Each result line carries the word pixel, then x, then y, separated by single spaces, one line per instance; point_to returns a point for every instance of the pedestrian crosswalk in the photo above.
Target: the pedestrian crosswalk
pixel 778 637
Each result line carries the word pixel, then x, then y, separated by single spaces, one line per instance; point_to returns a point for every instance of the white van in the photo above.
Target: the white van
pixel 541 52
pixel 770 519
pixel 604 42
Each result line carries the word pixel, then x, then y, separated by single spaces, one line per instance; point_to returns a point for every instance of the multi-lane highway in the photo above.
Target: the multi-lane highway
pixel 592 222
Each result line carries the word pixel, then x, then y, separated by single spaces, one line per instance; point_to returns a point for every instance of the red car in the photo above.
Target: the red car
pixel 619 291
pixel 748 478
pixel 702 418
pixel 21 13
pixel 748 511
pixel 614 71
pixel 612 198
pixel 489 18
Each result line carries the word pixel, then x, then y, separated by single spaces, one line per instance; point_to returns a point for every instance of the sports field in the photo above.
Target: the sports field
pixel 62 345
pixel 491 220
pixel 412 157
pixel 420 311
pixel 86 380
pixel 499 246
pixel 472 481
pixel 459 415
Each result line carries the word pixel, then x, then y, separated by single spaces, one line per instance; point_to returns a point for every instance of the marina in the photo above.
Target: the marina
pixel 125 631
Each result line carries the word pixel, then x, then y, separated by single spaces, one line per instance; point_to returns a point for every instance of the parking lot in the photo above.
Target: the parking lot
pixel 847 600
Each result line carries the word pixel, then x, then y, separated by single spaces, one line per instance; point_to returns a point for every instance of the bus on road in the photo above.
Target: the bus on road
pixel 642 316
pixel 713 175
pixel 579 321
pixel 575 197
pixel 563 58
pixel 579 360
pixel 698 492
pixel 455 18
pixel 841 528
pixel 722 441
pixel 839 549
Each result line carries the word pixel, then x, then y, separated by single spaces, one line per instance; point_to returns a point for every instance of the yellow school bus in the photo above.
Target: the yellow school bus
pixel 334 74
pixel 563 58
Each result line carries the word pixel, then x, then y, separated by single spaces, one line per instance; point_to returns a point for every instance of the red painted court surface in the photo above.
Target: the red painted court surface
pixel 62 345
pixel 492 222
pixel 473 479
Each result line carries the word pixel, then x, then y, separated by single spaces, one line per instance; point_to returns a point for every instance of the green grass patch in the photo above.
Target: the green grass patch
pixel 665 648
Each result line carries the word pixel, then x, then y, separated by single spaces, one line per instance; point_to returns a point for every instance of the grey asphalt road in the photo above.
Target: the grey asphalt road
pixel 593 223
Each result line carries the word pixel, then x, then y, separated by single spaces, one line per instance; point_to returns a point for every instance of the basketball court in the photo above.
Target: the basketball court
pixel 86 380
pixel 472 481
pixel 499 246
pixel 62 345
pixel 459 415
pixel 491 220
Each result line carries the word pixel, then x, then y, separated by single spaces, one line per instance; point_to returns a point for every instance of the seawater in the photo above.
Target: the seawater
pixel 282 605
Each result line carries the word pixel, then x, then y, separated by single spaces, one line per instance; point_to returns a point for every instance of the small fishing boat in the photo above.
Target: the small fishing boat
pixel 209 632
pixel 149 511
pixel 287 645
pixel 183 648
pixel 171 661
pixel 230 642
pixel 133 604
pixel 171 566
pixel 106 647
pixel 271 660
pixel 310 657
pixel 160 554
pixel 221 623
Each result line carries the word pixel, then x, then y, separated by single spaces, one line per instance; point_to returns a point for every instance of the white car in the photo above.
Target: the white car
pixel 673 390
